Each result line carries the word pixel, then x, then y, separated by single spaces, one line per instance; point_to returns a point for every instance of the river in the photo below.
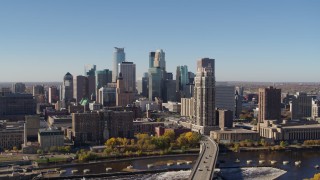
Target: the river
pixel 309 159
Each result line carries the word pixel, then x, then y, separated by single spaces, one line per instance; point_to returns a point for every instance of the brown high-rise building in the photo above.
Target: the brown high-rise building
pixel 53 94
pixel 123 97
pixel 269 104
pixel 118 124
pixel 80 88
pixel 88 128
pixel 225 118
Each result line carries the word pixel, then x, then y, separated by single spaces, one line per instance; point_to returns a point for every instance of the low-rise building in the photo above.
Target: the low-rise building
pixel 11 134
pixel 10 138
pixel 60 120
pixel 177 131
pixel 290 130
pixel 95 106
pixel 146 127
pixel 172 106
pixel 50 137
pixel 233 135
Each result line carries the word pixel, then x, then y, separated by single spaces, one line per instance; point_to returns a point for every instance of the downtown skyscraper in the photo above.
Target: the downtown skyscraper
pixel 118 57
pixel 128 71
pixel 67 88
pixel 157 75
pixel 204 97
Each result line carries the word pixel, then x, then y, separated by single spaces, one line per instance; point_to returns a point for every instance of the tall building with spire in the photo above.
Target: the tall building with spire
pixel 204 97
pixel 118 57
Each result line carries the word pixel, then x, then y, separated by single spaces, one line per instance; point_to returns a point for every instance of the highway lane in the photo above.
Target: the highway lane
pixel 205 165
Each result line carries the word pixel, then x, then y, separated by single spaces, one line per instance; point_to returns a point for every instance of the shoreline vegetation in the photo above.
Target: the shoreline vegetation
pixel 262 145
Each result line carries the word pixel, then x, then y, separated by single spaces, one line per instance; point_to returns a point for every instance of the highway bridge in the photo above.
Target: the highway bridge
pixel 206 163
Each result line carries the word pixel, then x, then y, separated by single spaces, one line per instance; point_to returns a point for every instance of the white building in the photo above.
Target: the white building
pixel 50 137
pixel 142 103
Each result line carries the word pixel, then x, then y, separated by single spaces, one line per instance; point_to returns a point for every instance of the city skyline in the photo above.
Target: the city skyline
pixel 251 41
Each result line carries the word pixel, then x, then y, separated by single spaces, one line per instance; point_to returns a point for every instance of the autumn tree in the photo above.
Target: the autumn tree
pixel 193 138
pixel 112 143
pixel 170 135
pixel 316 177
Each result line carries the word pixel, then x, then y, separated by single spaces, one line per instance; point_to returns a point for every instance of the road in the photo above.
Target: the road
pixel 205 165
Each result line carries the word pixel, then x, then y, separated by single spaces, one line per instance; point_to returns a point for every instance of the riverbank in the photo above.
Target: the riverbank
pixel 270 148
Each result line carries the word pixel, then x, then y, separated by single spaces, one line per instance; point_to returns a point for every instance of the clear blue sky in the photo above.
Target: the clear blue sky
pixel 251 40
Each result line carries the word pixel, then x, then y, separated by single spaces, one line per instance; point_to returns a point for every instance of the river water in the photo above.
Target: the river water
pixel 309 159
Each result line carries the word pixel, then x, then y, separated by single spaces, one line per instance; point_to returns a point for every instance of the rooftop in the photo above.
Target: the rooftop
pixel 315 126
pixel 235 131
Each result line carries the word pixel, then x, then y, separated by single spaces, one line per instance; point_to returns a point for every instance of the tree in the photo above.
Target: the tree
pixel 67 149
pixel 123 141
pixel 132 142
pixel 236 147
pixel 161 142
pixel 39 151
pixel 283 144
pixel 143 141
pixel 170 135
pixel 193 138
pixel 112 142
pixel 263 142
pixel 316 177
pixel 182 141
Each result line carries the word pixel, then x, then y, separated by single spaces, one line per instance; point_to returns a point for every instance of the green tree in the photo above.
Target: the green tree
pixel 107 151
pixel 283 144
pixel 143 141
pixel 67 149
pixel 182 141
pixel 161 142
pixel 263 142
pixel 39 151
